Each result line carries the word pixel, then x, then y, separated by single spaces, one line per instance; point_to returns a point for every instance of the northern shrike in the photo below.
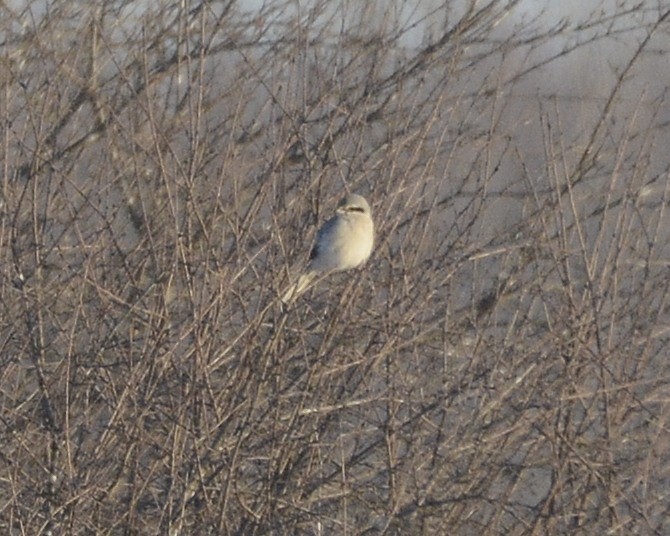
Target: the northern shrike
pixel 343 242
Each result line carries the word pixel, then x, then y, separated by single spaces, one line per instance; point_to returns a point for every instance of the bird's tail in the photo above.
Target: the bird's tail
pixel 295 289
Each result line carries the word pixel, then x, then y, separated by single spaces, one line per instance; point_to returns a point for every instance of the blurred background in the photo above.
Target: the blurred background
pixel 500 364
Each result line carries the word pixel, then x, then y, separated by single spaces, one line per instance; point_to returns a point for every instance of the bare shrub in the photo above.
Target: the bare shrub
pixel 499 365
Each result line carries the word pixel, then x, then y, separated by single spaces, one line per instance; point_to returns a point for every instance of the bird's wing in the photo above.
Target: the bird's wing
pixel 315 251
pixel 323 237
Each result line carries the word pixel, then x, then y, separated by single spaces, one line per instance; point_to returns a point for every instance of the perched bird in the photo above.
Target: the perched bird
pixel 344 242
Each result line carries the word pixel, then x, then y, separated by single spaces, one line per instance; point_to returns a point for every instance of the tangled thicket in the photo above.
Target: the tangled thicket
pixel 500 365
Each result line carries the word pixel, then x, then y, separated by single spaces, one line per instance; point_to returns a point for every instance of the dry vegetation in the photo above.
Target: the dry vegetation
pixel 501 364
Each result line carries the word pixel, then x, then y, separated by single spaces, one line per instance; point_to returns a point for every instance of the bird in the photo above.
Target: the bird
pixel 344 242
